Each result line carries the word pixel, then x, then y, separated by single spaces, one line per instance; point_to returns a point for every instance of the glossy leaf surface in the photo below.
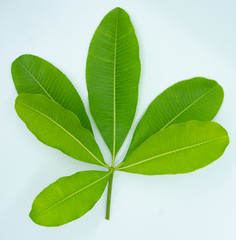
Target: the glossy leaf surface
pixel 112 73
pixel 180 148
pixel 194 99
pixel 68 198
pixel 32 74
pixel 58 128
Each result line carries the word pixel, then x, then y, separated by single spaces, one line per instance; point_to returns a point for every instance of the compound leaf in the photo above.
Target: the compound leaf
pixel 194 99
pixel 32 74
pixel 112 73
pixel 180 148
pixel 57 127
pixel 68 198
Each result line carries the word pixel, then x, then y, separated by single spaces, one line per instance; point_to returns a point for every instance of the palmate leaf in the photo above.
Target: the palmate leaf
pixel 112 73
pixel 58 128
pixel 165 141
pixel 68 198
pixel 194 99
pixel 180 148
pixel 32 74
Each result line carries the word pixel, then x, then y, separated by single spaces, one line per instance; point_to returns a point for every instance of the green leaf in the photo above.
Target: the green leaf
pixel 194 99
pixel 58 128
pixel 32 74
pixel 180 148
pixel 68 198
pixel 174 135
pixel 112 73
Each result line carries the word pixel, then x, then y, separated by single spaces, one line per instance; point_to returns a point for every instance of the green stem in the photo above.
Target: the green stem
pixel 109 195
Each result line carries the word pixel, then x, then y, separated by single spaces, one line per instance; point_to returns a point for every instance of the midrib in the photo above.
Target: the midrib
pixel 189 106
pixel 31 75
pixel 170 152
pixel 114 95
pixel 71 195
pixel 50 119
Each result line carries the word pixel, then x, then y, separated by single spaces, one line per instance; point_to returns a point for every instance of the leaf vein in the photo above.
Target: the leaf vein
pixel 71 135
pixel 35 80
pixel 71 195
pixel 170 152
pixel 185 109
pixel 114 96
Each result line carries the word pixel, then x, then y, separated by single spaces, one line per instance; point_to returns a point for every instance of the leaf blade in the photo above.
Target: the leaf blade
pixel 34 75
pixel 74 195
pixel 112 75
pixel 194 99
pixel 57 127
pixel 180 148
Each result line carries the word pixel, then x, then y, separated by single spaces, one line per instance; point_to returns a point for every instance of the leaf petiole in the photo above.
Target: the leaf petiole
pixel 109 195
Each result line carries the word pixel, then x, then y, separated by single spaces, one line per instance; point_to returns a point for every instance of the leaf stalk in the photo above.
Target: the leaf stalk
pixel 109 195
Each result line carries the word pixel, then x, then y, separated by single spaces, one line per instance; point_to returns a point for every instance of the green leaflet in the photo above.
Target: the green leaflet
pixel 112 73
pixel 32 74
pixel 180 148
pixel 58 128
pixel 68 198
pixel 194 99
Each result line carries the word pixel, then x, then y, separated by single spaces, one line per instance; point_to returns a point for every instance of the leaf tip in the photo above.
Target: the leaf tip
pixel 118 10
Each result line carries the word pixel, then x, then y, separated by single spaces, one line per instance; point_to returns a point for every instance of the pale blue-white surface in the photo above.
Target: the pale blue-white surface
pixel 178 40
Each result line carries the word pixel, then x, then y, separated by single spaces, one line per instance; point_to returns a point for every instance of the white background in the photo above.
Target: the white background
pixel 179 39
